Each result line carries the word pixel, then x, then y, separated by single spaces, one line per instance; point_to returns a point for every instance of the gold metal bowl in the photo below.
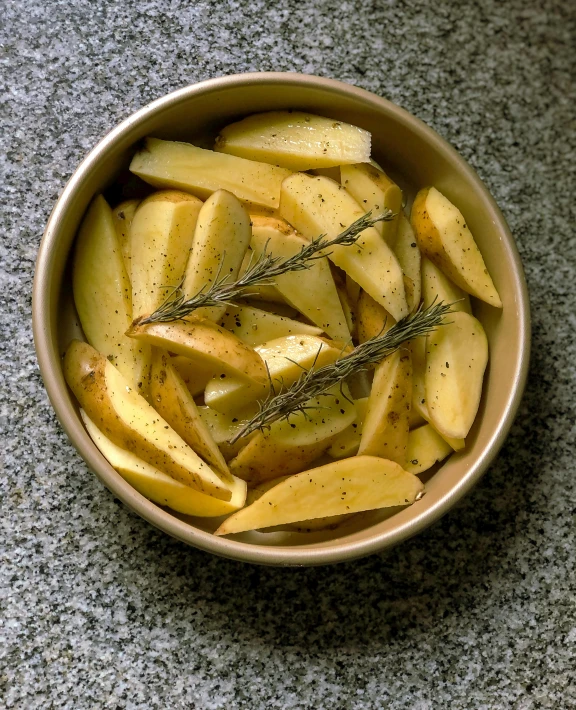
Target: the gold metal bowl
pixel 416 156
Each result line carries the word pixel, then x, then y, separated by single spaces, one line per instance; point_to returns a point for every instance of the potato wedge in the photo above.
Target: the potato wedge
pixel 373 190
pixel 456 358
pixel 408 255
pixel 224 426
pixel 444 237
pixel 332 173
pixel 255 327
pixel 347 486
pixel 172 400
pixel 312 291
pixel 205 343
pixel 186 167
pixel 419 412
pixel 285 359
pixel 347 442
pixel 131 423
pixel 372 319
pixel 268 294
pixel 123 215
pixel 160 488
pixel 288 446
pixel 161 236
pixel 194 375
pixel 386 424
pixel 437 287
pixel 318 205
pixel 295 140
pixel 221 238
pixel 353 291
pixel 425 448
pixel 102 293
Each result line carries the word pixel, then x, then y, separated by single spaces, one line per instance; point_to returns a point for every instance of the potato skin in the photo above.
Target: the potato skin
pixel 85 373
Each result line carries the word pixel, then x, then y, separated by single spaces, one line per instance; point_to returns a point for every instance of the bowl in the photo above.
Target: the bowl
pixel 416 156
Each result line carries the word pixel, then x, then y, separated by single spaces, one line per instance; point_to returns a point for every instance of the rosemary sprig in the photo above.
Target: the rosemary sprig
pixel 223 291
pixel 313 383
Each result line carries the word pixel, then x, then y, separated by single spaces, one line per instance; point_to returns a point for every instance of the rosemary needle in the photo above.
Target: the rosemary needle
pixel 222 291
pixel 313 383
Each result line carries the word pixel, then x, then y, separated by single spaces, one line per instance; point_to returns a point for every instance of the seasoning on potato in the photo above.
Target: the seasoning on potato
pixel 232 314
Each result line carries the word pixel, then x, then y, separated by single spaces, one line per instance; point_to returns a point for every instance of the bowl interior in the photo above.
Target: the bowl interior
pixel 415 156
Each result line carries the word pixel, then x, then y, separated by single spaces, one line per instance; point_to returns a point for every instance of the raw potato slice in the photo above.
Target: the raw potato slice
pixel 123 216
pixel 353 290
pixel 332 173
pixel 224 426
pixel 348 311
pixel 456 357
pixel 419 412
pixel 408 254
pixel 221 239
pixel 161 236
pixel 256 327
pixel 373 190
pixel 285 360
pixel 160 488
pixel 204 342
pixel 102 292
pixel 425 448
pixel 318 205
pixel 288 446
pixel 268 294
pixel 372 319
pixel 347 486
pixel 295 140
pixel 348 442
pixel 172 400
pixel 131 423
pixel 386 425
pixel 194 375
pixel 202 172
pixel 437 287
pixel 280 308
pixel 311 291
pixel 444 237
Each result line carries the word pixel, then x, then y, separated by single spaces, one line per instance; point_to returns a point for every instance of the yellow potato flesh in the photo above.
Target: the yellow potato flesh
pixel 289 445
pixel 438 288
pixel 194 375
pixel 204 342
pixel 130 422
pixel 123 216
pixel 102 293
pixel 372 319
pixel 456 357
pixel 172 400
pixel 161 236
pixel 419 411
pixel 348 442
pixel 425 448
pixel 408 254
pixel 295 140
pixel 318 205
pixel 285 359
pixel 386 424
pixel 186 167
pixel 224 426
pixel 348 486
pixel 311 291
pixel 221 238
pixel 445 238
pixel 256 327
pixel 160 488
pixel 373 190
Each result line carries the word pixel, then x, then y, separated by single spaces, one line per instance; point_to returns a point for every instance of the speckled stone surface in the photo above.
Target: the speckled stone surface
pixel 99 610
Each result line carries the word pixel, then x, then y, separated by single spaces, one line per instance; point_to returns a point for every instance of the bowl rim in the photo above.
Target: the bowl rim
pixel 50 364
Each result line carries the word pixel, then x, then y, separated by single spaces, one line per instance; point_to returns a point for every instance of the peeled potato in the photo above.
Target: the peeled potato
pixel 348 442
pixel 439 288
pixel 445 238
pixel 372 319
pixel 186 167
pixel 408 254
pixel 123 215
pixel 347 486
pixel 254 326
pixel 295 140
pixel 456 357
pixel 160 488
pixel 425 448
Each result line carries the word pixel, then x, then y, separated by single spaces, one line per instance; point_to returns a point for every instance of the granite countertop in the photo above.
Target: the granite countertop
pixel 98 609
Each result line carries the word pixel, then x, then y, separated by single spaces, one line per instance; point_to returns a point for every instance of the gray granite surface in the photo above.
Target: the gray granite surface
pixel 99 610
